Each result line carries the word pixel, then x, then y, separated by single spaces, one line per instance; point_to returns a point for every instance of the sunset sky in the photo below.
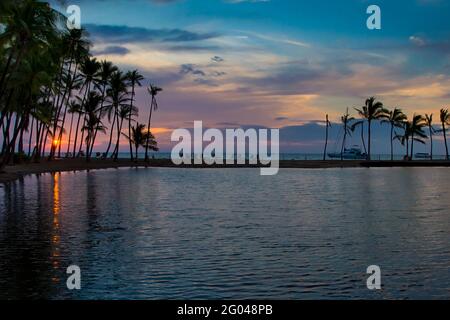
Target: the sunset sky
pixel 275 63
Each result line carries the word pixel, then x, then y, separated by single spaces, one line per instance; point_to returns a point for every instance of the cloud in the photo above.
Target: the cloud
pixel 418 41
pixel 126 34
pixel 191 69
pixel 112 50
pixel 241 1
pixel 217 59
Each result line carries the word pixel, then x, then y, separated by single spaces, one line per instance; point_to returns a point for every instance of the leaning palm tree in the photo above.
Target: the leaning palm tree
pixel 346 119
pixel 327 125
pixel 140 136
pixel 396 118
pixel 134 78
pixel 90 72
pixel 445 121
pixel 360 123
pixel 372 110
pixel 153 91
pixel 417 133
pixel 74 108
pixel 93 120
pixel 116 97
pixel 432 131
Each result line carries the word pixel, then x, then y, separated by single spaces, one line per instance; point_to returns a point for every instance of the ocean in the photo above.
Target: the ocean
pixel 168 233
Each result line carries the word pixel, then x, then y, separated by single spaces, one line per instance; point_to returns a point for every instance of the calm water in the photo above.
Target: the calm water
pixel 172 233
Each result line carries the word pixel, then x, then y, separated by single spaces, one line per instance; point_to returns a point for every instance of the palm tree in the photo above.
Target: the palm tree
pixel 396 118
pixel 404 138
pixel 41 64
pixel 445 121
pixel 135 78
pixel 360 123
pixel 346 119
pixel 372 110
pixel 90 69
pixel 432 131
pixel 153 91
pixel 29 24
pixel 140 136
pixel 116 96
pixel 416 130
pixel 93 123
pixel 327 125
pixel 123 114
pixel 73 109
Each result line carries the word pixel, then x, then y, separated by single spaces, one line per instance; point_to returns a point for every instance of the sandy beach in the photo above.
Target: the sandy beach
pixel 14 172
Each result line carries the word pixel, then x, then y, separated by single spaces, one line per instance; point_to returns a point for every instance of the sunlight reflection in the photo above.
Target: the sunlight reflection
pixel 55 235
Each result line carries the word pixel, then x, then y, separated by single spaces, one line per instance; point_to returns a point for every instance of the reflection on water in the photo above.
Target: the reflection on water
pixel 55 235
pixel 232 234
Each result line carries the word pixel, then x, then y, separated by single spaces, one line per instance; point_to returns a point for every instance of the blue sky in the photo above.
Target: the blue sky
pixel 276 63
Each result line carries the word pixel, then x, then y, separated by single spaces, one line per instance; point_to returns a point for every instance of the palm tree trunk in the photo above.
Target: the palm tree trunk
pixel 6 134
pixel 76 136
pixel 61 132
pixel 412 146
pixel 445 140
pixel 407 147
pixel 370 140
pixel 129 122
pixel 111 134
pixel 431 143
pixel 343 144
pixel 149 127
pixel 10 149
pixel 362 138
pixel 116 154
pixel 326 141
pixel 88 89
pixel 30 138
pixel 392 142
pixel 70 136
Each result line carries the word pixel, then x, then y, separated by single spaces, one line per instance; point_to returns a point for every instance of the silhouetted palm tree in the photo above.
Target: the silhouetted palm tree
pixel 90 71
pixel 117 98
pixel 445 121
pixel 404 138
pixel 346 119
pixel 135 78
pixel 416 130
pixel 372 110
pixel 432 131
pixel 360 123
pixel 153 91
pixel 396 118
pixel 327 126
pixel 140 136
pixel 74 108
pixel 93 120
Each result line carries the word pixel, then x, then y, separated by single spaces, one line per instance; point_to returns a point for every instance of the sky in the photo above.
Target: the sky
pixel 276 63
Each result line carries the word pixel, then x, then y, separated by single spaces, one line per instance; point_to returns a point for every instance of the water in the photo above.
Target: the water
pixel 227 234
pixel 284 156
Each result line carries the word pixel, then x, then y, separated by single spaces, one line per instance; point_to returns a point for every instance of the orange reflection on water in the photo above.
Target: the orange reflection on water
pixel 55 230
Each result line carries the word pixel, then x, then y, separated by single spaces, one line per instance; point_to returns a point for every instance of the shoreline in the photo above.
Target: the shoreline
pixel 62 165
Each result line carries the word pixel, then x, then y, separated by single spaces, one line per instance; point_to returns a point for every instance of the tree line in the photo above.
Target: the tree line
pixel 52 87
pixel 407 131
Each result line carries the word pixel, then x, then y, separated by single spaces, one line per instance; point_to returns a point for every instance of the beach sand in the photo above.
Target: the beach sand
pixel 14 172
